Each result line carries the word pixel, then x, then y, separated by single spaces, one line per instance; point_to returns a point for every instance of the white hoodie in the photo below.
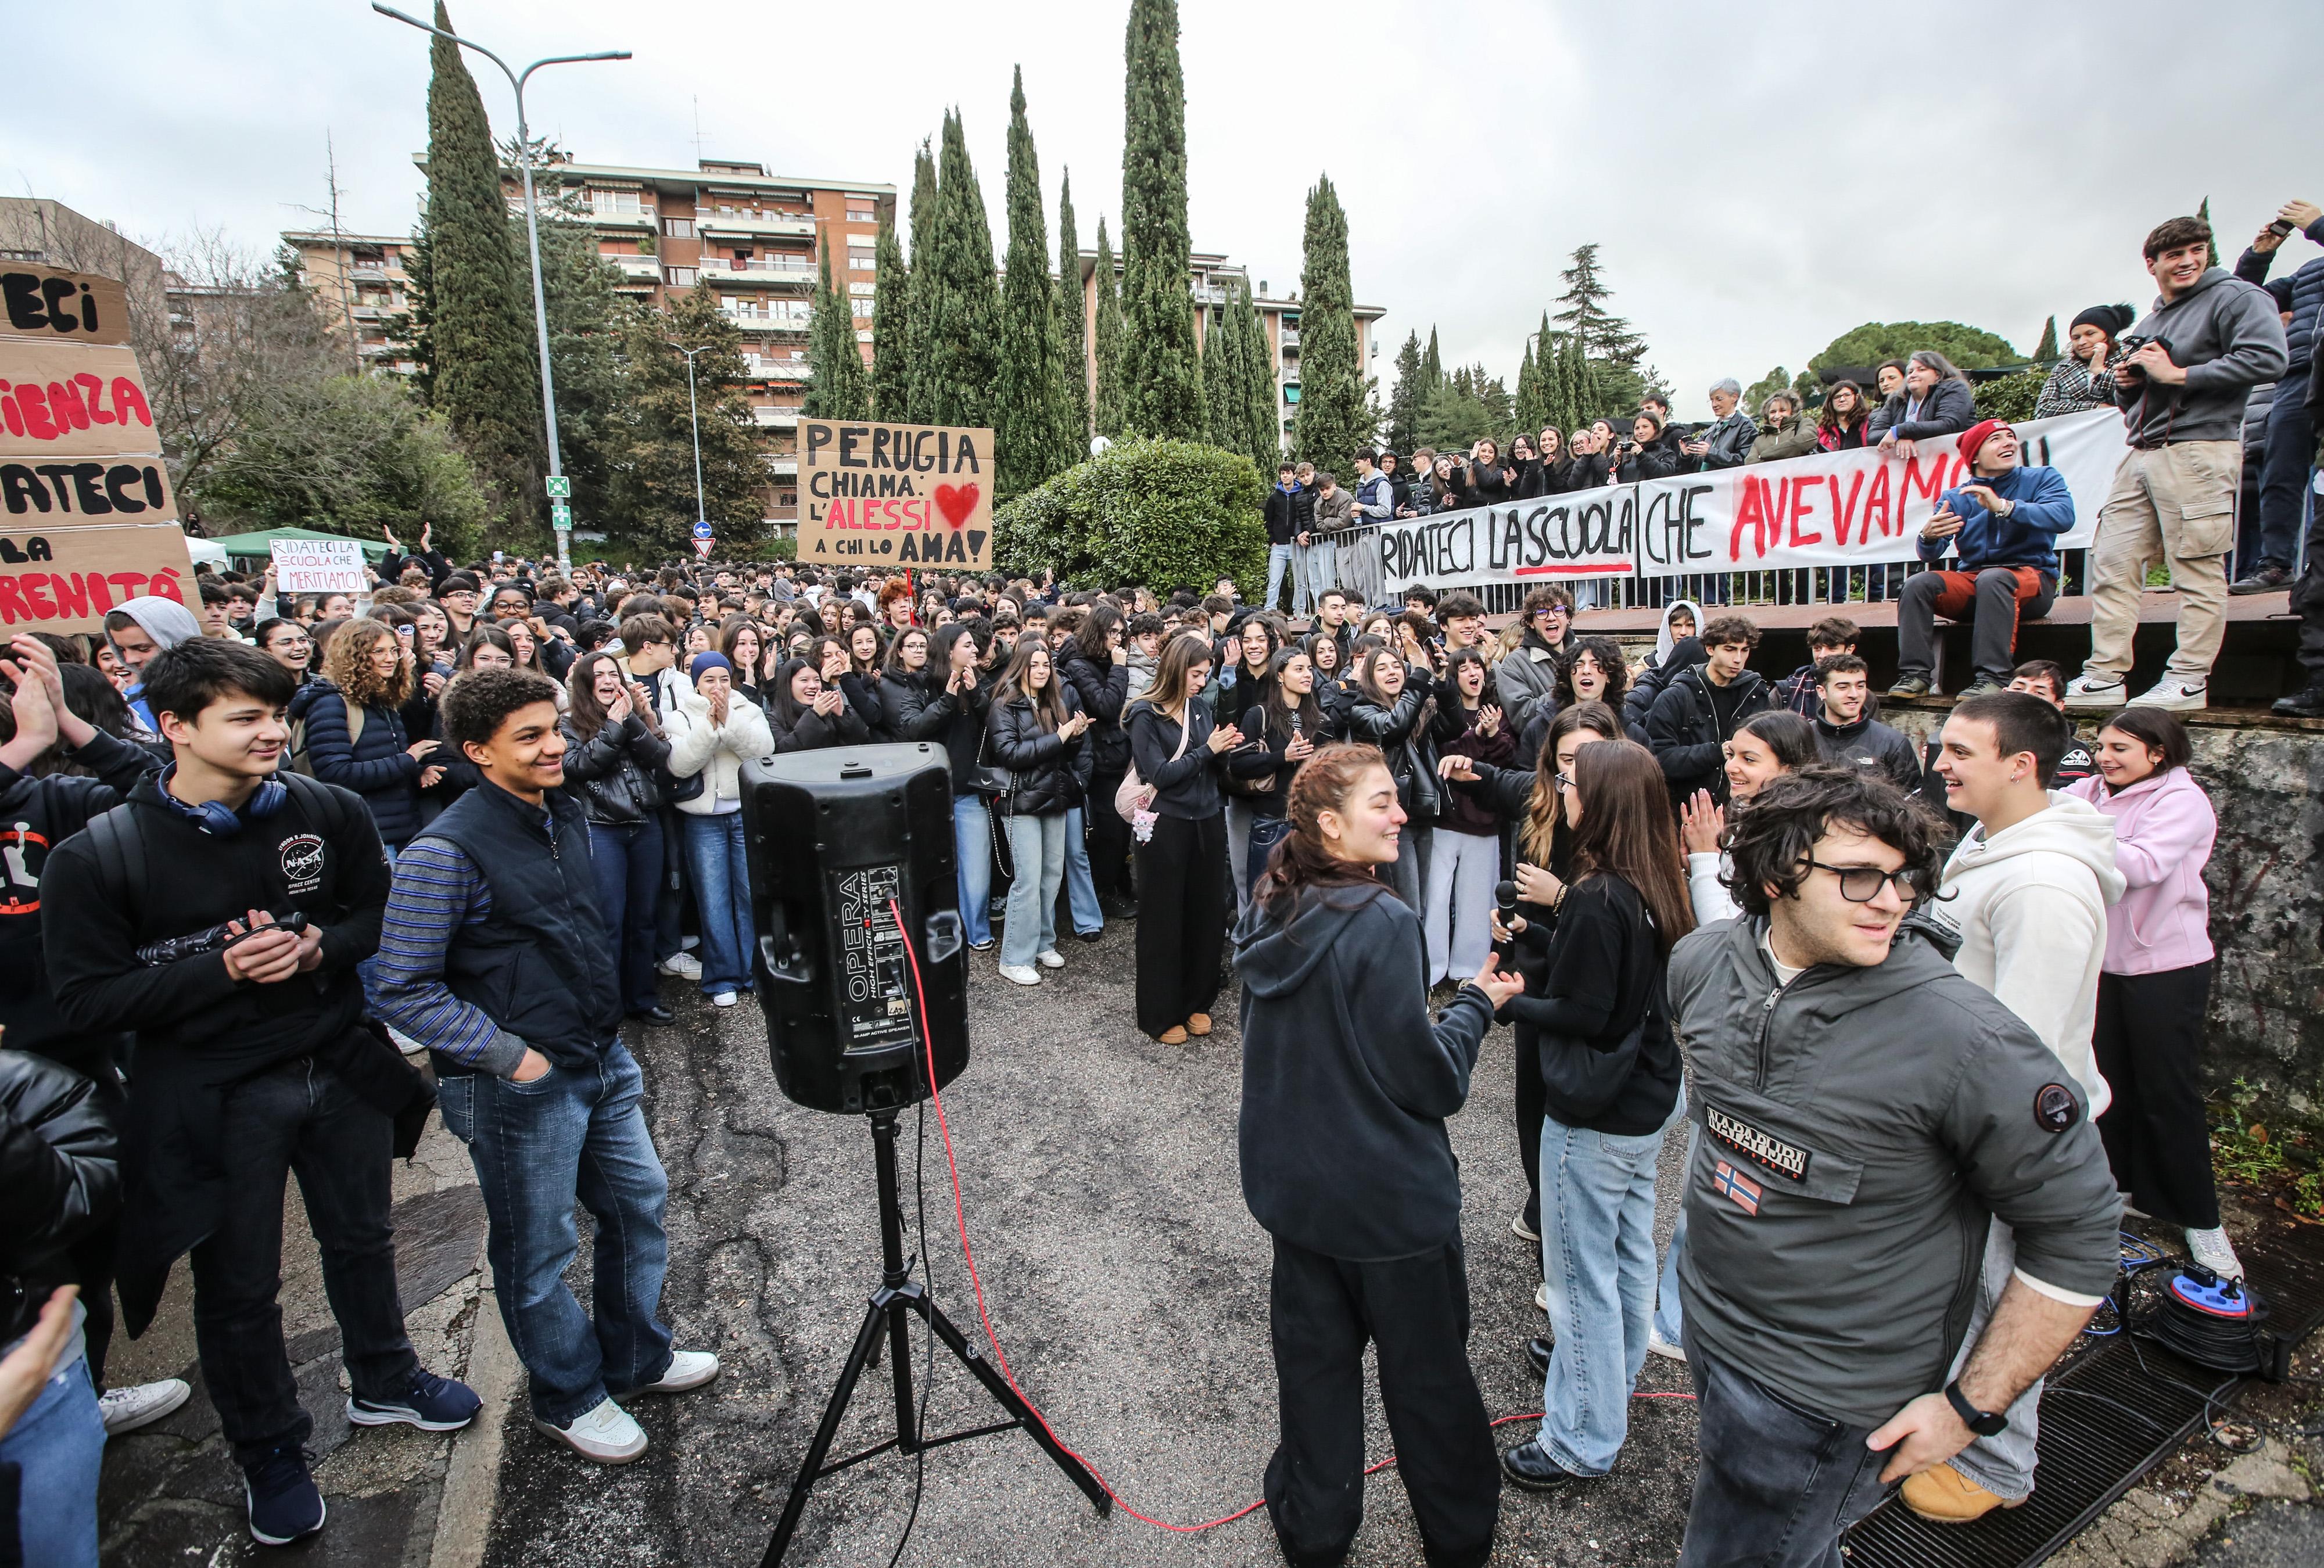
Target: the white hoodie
pixel 2029 905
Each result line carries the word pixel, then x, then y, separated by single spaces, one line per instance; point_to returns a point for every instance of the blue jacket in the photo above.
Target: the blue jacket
pixel 2307 297
pixel 2043 508
pixel 374 765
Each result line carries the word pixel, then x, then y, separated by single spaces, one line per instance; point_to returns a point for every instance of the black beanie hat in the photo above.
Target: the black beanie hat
pixel 2110 320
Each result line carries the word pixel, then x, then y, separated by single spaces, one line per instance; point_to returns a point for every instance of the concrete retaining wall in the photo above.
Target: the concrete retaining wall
pixel 2266 875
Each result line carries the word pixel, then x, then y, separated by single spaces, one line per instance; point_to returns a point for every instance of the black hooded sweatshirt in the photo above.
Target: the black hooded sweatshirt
pixel 1345 1083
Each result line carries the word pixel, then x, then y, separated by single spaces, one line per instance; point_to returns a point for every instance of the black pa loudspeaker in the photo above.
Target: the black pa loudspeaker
pixel 833 836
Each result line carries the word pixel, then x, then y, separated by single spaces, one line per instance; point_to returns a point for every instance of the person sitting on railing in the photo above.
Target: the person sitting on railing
pixel 2004 522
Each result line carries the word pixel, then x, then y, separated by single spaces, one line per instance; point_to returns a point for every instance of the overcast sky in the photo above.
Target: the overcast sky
pixel 1759 178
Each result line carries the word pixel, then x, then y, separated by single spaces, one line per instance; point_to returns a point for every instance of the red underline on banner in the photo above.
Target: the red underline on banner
pixel 1622 570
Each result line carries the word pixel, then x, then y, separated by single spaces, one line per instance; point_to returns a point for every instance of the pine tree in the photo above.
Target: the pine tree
pixel 652 484
pixel 1028 435
pixel 1404 402
pixel 919 283
pixel 1331 422
pixel 2046 351
pixel 1105 408
pixel 1262 425
pixel 1161 376
pixel 952 382
pixel 838 387
pixel 485 374
pixel 891 369
pixel 1073 339
pixel 1612 348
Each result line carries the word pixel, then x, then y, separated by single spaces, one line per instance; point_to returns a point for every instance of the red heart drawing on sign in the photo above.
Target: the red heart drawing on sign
pixel 956 501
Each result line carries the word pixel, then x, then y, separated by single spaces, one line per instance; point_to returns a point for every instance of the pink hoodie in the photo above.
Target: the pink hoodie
pixel 2164 830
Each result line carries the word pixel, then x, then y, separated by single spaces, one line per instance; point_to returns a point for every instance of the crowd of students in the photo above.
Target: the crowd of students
pixel 262 855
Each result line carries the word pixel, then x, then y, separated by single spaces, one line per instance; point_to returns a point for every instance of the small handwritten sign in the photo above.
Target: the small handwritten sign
pixel 317 566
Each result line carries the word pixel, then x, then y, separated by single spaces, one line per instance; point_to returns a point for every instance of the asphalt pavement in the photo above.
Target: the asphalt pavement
pixel 1124 1277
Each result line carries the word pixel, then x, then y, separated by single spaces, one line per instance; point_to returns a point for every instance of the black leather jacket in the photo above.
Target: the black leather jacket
pixel 60 1179
pixel 1099 691
pixel 612 773
pixel 1051 774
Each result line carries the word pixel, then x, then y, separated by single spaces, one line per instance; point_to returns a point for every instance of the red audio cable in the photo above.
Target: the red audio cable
pixel 976 1284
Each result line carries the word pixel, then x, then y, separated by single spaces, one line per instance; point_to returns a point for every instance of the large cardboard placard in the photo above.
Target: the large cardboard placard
pixel 54 307
pixel 895 495
pixel 319 565
pixel 69 493
pixel 1837 509
pixel 70 400
pixel 64 579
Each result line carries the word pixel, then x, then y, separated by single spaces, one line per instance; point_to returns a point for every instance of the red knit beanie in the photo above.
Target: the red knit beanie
pixel 1974 439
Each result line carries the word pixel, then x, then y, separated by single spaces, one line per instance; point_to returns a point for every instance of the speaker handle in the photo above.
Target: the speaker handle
pixel 944 934
pixel 793 966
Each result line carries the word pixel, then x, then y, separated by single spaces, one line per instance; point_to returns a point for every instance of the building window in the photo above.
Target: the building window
pixel 862 215
pixel 622 202
pixel 679 228
pixel 679 277
pixel 862 260
pixel 862 308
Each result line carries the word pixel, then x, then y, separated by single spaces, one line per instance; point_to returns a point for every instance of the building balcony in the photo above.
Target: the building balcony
pixel 775 273
pixel 374 275
pixel 777 419
pixel 783 467
pixel 760 368
pixel 1291 338
pixel 368 313
pixel 637 269
pixel 736 223
pixel 769 323
pixel 642 219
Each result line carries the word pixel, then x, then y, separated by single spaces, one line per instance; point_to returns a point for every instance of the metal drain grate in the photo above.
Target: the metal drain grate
pixel 2112 1414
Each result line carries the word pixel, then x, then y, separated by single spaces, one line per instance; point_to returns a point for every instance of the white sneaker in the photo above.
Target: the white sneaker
pixel 724 999
pixel 2215 1253
pixel 1022 973
pixel 1541 1296
pixel 140 1405
pixel 2175 691
pixel 687 1369
pixel 606 1434
pixel 1051 959
pixel 1517 1224
pixel 685 966
pixel 2095 691
pixel 1658 1346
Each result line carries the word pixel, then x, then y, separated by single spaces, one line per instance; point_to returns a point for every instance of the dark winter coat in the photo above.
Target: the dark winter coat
pixel 1453 733
pixel 1396 730
pixel 1684 731
pixel 1639 700
pixel 2307 300
pixel 60 1180
pixel 811 731
pixel 1868 745
pixel 374 764
pixel 1050 774
pixel 612 773
pixel 1288 513
pixel 1948 410
pixel 926 711
pixel 1099 691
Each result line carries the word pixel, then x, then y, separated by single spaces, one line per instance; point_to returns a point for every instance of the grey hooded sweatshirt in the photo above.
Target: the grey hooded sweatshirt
pixel 2229 335
pixel 1346 1083
pixel 1859 1127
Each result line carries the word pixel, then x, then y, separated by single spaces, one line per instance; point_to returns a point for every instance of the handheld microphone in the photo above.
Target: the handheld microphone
pixel 1505 904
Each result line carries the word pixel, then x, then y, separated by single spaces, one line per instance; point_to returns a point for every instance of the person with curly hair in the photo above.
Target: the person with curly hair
pixel 354 735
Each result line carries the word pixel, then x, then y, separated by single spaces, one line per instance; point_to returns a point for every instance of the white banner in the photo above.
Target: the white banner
pixel 317 566
pixel 1837 509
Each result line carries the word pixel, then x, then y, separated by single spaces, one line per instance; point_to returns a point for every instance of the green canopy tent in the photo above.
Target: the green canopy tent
pixel 260 546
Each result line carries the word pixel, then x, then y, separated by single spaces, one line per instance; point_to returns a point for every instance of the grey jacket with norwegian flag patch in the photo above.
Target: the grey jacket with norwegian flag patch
pixel 1857 1128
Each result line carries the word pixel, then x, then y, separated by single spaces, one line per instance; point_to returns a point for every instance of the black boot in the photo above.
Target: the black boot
pixel 2302 705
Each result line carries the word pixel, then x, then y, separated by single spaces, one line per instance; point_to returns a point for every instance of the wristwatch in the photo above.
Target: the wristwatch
pixel 1984 1422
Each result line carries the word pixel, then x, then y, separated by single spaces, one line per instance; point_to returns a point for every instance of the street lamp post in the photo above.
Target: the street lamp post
pixel 531 231
pixel 693 419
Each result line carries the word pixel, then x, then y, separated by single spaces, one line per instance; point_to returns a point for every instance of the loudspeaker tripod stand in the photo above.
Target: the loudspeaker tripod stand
pixel 889 1314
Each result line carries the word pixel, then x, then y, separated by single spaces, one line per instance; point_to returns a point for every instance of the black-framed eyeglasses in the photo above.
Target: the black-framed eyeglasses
pixel 1862 884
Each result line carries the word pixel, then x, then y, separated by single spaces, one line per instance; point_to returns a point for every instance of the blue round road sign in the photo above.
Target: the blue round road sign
pixel 702 529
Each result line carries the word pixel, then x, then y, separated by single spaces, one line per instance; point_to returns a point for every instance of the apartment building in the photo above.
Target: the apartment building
pixel 359 284
pixel 1214 280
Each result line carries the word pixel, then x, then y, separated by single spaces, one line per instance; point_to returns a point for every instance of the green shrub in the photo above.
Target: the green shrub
pixel 1166 514
pixel 2009 397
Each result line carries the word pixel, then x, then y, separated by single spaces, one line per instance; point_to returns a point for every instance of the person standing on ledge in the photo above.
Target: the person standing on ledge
pixel 1345 1162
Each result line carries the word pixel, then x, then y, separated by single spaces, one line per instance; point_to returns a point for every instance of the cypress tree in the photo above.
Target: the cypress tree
pixel 1332 422
pixel 486 377
pixel 1433 364
pixel 838 387
pixel 1262 426
pixel 919 283
pixel 1161 378
pixel 1028 439
pixel 952 382
pixel 891 368
pixel 1527 406
pixel 2047 350
pixel 1073 339
pixel 1404 399
pixel 1106 406
pixel 1222 383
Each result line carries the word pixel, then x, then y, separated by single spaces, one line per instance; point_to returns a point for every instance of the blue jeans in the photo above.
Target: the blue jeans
pixel 1037 847
pixel 1278 567
pixel 2003 1464
pixel 575 1131
pixel 1080 889
pixel 1775 1484
pixel 58 1446
pixel 972 840
pixel 2283 478
pixel 722 893
pixel 628 861
pixel 1598 1256
pixel 1318 566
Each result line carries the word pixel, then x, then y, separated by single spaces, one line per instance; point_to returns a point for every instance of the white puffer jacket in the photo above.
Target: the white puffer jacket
pixel 715 751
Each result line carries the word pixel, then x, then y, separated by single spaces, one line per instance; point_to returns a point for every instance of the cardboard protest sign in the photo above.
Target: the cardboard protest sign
pixel 65 494
pixel 54 307
pixel 68 400
pixel 895 495
pixel 319 565
pixel 64 579
pixel 1834 509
